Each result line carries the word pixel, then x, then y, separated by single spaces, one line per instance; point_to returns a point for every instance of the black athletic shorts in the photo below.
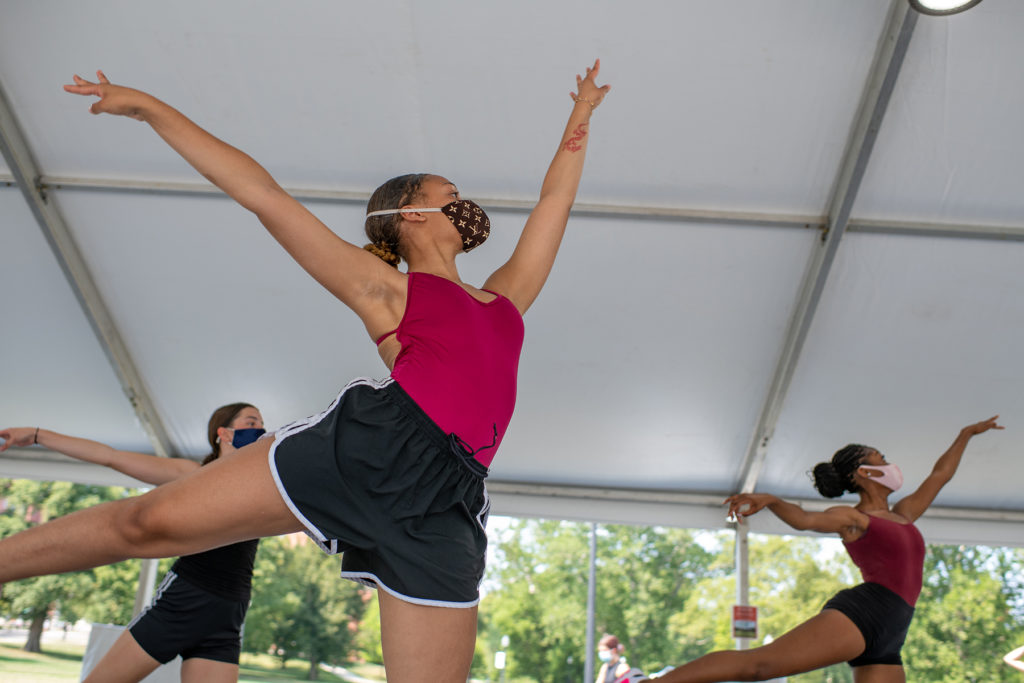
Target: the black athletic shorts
pixel 375 478
pixel 186 620
pixel 882 617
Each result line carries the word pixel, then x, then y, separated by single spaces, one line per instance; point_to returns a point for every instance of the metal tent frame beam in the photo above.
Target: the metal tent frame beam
pixel 26 174
pixel 18 155
pixel 892 48
pixel 1007 233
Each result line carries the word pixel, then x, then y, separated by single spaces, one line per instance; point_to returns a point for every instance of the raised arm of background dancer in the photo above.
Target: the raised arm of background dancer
pixel 345 270
pixel 838 519
pixel 151 469
pixel 914 505
pixel 523 275
pixel 1013 658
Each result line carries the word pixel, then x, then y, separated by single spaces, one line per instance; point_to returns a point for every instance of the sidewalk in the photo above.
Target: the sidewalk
pixel 77 635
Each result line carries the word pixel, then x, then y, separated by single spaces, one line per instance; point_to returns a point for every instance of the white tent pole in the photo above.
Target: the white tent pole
pixel 1003 233
pixel 742 574
pixel 588 668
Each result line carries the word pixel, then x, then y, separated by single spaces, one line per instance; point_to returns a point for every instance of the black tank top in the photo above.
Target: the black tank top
pixel 226 572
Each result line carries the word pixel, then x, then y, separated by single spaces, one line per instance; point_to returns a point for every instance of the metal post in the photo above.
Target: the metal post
pixel 588 667
pixel 147 580
pixel 742 576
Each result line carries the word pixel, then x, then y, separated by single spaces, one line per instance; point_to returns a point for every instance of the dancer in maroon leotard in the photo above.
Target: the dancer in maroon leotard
pixel 865 625
pixel 391 475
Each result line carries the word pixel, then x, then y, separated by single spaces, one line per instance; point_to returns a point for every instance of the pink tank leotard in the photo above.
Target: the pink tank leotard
pixel 891 554
pixel 459 360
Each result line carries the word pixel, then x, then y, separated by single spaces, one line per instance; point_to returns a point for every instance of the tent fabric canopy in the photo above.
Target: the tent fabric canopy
pixel 718 317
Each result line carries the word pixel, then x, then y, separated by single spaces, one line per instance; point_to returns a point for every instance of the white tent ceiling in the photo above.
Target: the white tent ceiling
pixel 702 331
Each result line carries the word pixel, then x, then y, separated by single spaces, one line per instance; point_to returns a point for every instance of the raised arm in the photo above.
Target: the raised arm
pixel 151 469
pixel 523 275
pixel 914 505
pixel 844 520
pixel 348 272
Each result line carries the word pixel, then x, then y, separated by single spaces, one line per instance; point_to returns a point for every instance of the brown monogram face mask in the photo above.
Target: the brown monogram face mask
pixel 469 219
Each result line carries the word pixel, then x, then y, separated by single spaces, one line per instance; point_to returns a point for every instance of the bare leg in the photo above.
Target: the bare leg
pixel 426 644
pixel 828 638
pixel 125 662
pixel 879 673
pixel 231 499
pixel 199 670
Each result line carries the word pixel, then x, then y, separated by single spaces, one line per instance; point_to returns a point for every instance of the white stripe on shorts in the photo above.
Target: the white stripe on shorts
pixel 164 585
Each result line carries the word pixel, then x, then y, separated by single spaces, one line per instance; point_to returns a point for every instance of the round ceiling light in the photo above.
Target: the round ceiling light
pixel 942 7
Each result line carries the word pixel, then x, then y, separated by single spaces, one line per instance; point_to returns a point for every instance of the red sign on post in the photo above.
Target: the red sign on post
pixel 744 621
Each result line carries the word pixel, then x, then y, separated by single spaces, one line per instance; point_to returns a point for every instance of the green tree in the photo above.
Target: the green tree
pixel 302 608
pixel 72 595
pixel 645 575
pixel 967 617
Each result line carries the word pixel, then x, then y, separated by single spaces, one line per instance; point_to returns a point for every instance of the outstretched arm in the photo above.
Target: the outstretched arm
pixel 841 519
pixel 1013 658
pixel 523 275
pixel 151 469
pixel 914 505
pixel 348 272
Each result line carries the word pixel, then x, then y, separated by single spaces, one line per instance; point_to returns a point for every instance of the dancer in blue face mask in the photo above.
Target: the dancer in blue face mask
pixel 200 606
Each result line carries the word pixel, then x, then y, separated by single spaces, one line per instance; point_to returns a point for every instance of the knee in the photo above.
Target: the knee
pixel 141 523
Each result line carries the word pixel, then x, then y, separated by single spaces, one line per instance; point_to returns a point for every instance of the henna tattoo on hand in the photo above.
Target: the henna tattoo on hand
pixel 573 143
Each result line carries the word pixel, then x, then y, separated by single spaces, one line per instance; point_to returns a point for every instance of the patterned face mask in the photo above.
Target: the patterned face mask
pixel 469 219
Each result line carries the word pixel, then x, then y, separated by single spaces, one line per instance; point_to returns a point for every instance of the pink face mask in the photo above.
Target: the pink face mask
pixel 891 478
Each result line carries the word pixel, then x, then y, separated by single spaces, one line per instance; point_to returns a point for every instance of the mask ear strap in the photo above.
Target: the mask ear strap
pixel 388 212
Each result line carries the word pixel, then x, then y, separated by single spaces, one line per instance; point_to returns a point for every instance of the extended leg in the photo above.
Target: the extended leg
pixel 231 499
pixel 828 638
pixel 426 644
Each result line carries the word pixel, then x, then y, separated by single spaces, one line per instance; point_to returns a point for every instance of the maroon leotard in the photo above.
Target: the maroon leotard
pixel 459 360
pixel 890 554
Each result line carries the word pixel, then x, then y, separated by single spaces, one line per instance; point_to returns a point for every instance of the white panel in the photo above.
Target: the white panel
pixel 914 340
pixel 715 104
pixel 950 148
pixel 649 353
pixel 52 369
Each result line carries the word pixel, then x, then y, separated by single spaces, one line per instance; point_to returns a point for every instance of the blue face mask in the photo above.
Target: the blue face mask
pixel 604 655
pixel 244 437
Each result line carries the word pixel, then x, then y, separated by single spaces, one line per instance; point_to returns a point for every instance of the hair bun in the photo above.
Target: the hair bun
pixel 828 481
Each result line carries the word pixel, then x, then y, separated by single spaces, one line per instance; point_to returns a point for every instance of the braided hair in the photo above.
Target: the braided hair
pixel 833 478
pixel 383 231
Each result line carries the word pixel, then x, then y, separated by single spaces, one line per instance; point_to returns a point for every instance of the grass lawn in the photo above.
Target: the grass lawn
pixel 61 663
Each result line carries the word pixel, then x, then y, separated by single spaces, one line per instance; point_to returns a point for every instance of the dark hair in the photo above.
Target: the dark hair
pixel 222 417
pixel 833 478
pixel 610 642
pixel 383 230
